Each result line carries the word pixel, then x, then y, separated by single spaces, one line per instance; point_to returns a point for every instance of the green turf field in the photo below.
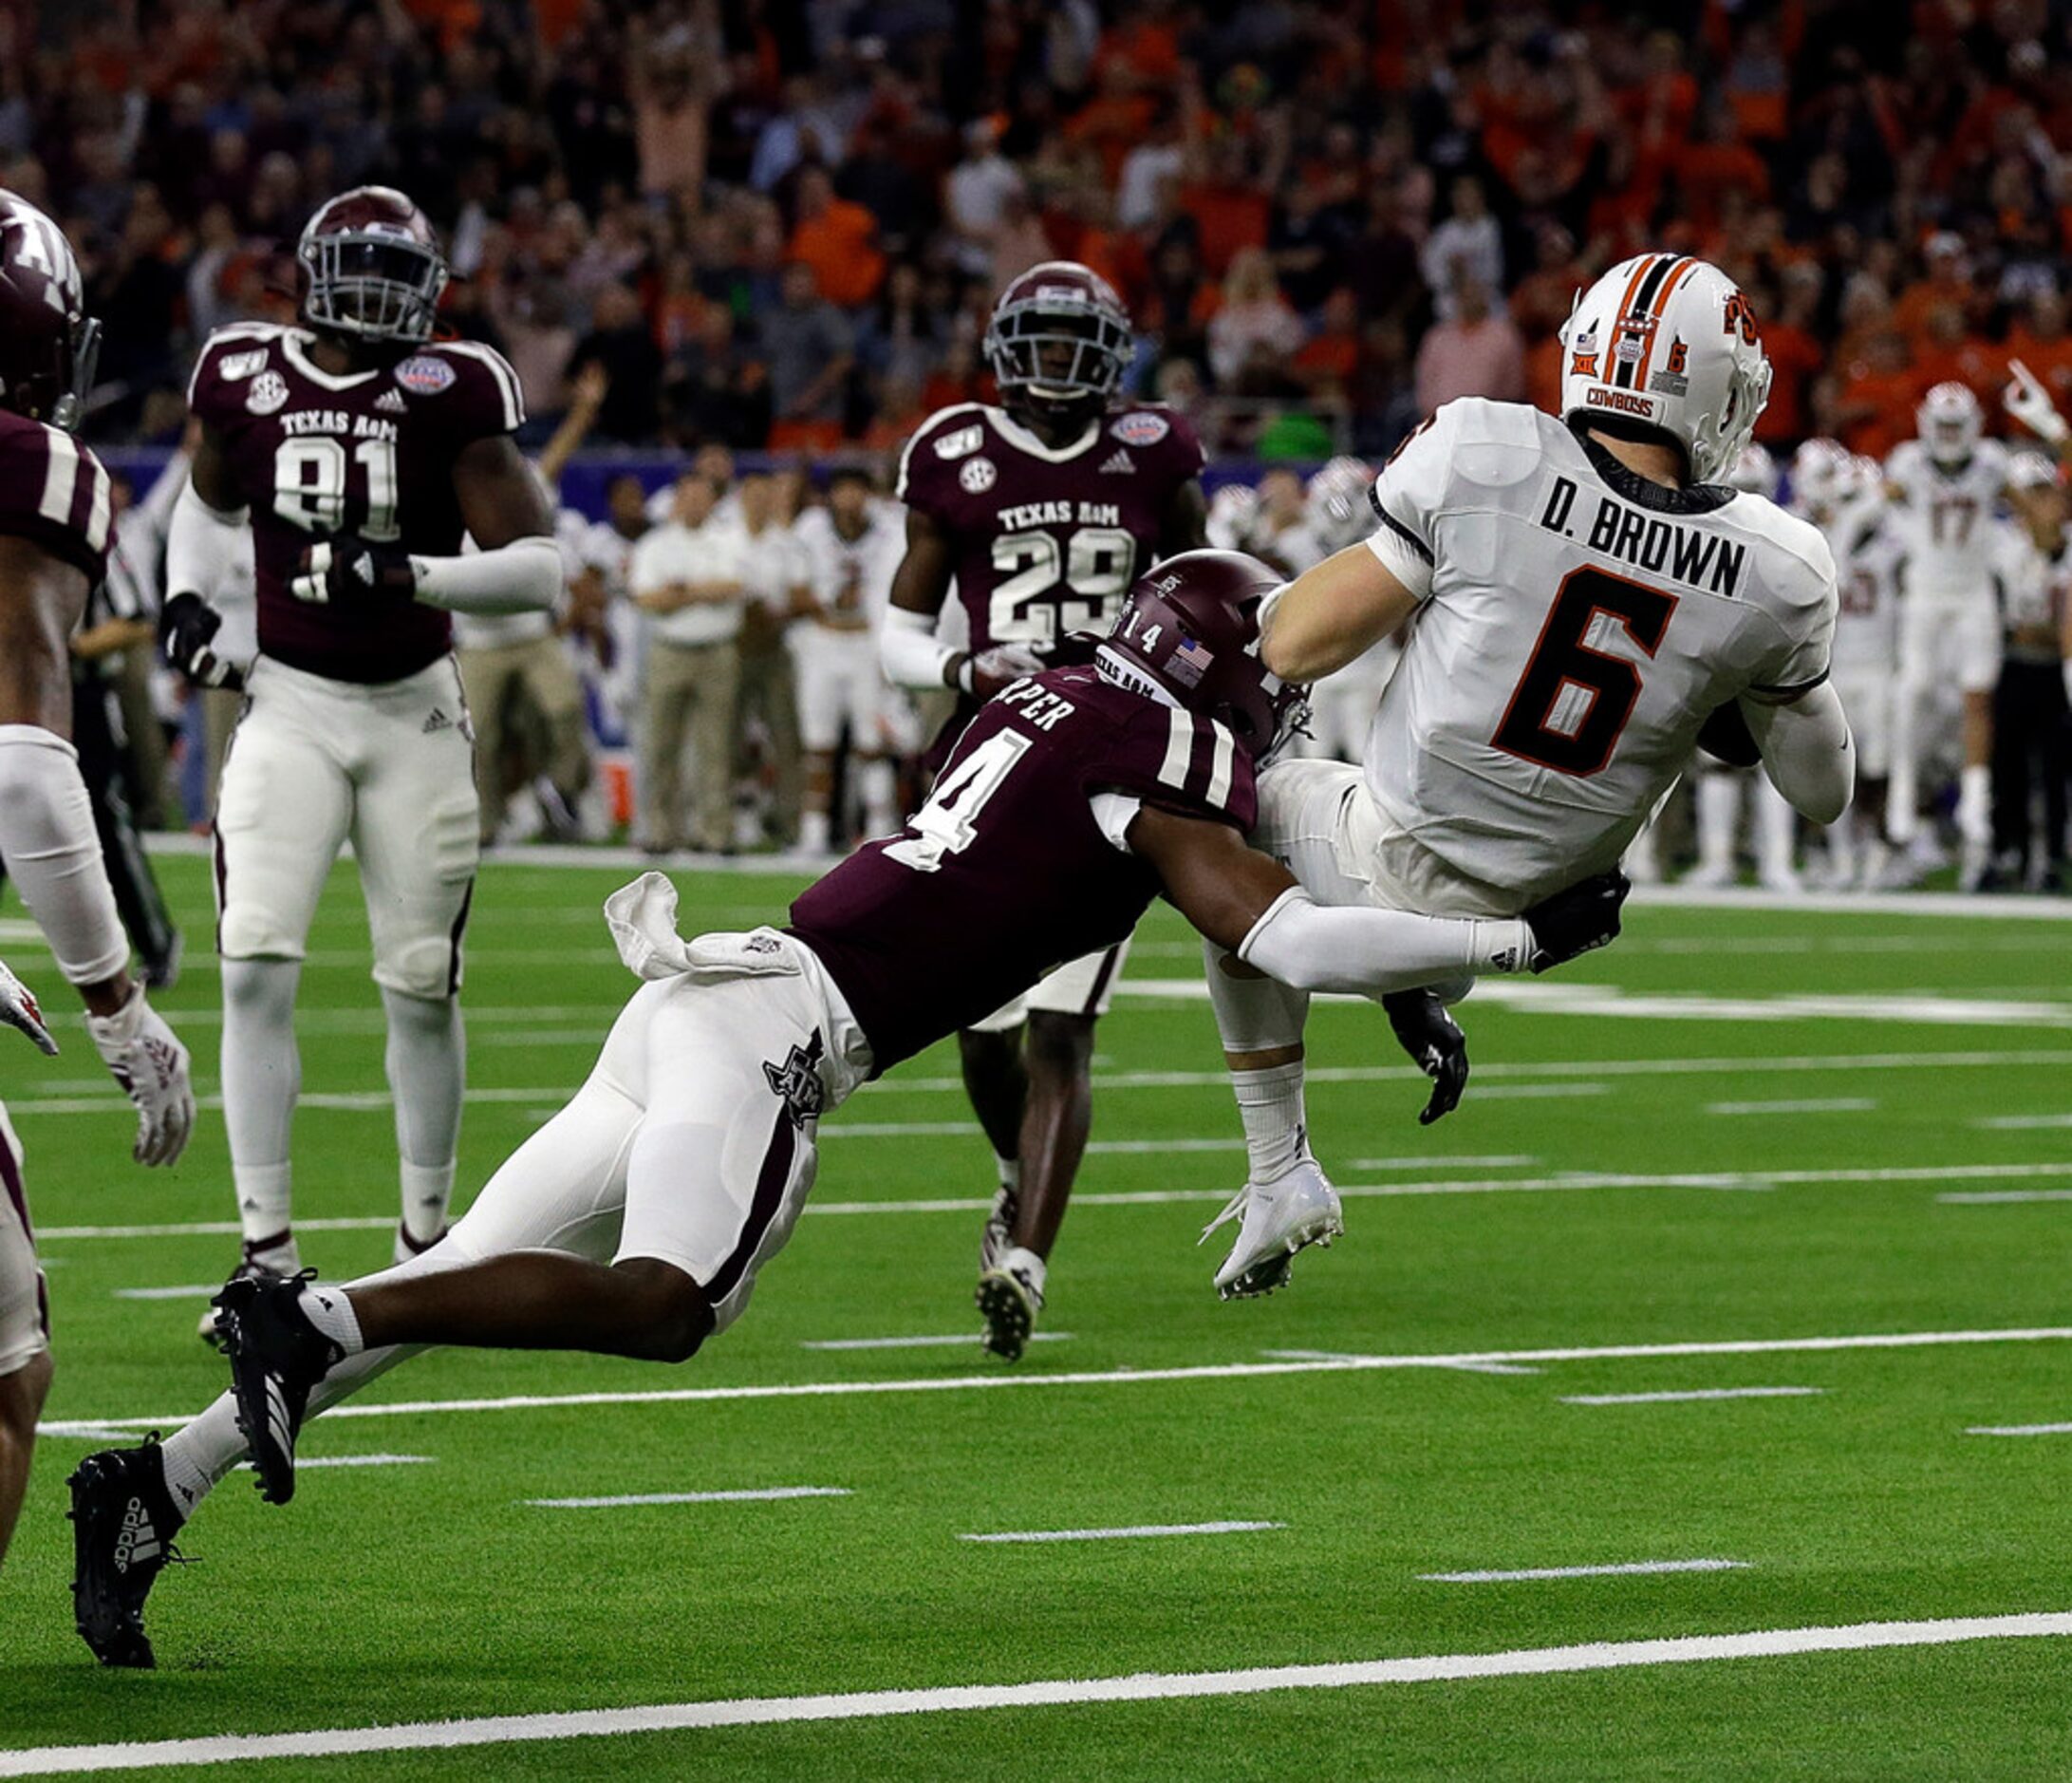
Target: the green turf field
pixel 1750 1128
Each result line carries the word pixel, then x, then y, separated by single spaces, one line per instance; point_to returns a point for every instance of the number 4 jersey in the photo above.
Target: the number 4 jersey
pixel 367 453
pixel 1016 863
pixel 1578 625
pixel 1047 539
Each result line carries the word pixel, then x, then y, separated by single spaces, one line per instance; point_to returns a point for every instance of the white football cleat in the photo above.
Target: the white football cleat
pixel 1010 1295
pixel 1298 1208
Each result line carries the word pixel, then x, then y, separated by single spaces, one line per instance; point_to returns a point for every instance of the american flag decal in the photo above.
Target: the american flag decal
pixel 1189 661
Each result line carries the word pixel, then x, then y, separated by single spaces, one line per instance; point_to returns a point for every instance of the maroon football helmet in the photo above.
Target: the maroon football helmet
pixel 1191 624
pixel 371 266
pixel 1059 338
pixel 47 341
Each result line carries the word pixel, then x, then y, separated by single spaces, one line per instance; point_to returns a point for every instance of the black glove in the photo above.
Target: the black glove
pixel 1726 736
pixel 1578 920
pixel 354 570
pixel 1429 1034
pixel 187 625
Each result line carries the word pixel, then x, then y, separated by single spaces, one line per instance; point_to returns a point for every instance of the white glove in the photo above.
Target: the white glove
pixel 18 1010
pixel 147 1060
pixel 2028 400
pixel 1002 663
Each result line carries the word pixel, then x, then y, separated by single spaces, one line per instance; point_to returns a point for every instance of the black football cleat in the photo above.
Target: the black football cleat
pixel 276 1356
pixel 122 1526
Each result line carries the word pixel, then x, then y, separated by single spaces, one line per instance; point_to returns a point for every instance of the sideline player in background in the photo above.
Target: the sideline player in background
pixel 54 521
pixel 1586 601
pixel 634 1222
pixel 1039 513
pixel 853 551
pixel 360 452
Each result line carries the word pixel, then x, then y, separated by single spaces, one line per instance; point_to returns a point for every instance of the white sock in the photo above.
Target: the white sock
pixel 262 1076
pixel 1276 1126
pixel 878 784
pixel 200 1452
pixel 1029 1266
pixel 1719 811
pixel 1010 1170
pixel 1975 805
pixel 328 1309
pixel 283 1256
pixel 427 1070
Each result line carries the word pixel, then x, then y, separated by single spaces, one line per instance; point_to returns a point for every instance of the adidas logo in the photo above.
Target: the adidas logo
pixel 139 1541
pixel 391 403
pixel 438 720
pixel 1118 462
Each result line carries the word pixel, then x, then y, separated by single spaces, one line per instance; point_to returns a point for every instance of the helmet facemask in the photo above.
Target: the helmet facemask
pixel 1061 357
pixel 373 283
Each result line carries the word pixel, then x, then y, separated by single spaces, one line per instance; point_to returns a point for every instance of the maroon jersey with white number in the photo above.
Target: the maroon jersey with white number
pixel 1008 869
pixel 1047 540
pixel 367 453
pixel 54 493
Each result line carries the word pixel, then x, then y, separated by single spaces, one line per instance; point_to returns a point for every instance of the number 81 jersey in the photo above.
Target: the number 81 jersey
pixel 1047 540
pixel 368 453
pixel 1578 623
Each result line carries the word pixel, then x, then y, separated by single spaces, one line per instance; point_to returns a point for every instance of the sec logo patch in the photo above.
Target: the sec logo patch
pixel 978 476
pixel 269 393
pixel 1140 428
pixel 424 375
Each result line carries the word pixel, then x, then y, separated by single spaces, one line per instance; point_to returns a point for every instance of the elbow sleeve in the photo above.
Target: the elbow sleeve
pixel 1807 751
pixel 1368 952
pixel 202 545
pixel 521 577
pixel 911 655
pixel 53 854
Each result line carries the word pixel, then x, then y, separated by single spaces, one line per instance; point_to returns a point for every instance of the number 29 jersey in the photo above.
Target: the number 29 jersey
pixel 1578 625
pixel 368 453
pixel 1047 539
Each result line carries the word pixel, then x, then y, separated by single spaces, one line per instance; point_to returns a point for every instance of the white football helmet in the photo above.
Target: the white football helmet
pixel 1823 475
pixel 1233 518
pixel 1337 507
pixel 1668 342
pixel 1949 423
pixel 1753 472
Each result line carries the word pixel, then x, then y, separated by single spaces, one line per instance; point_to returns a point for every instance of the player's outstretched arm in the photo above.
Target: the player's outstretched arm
pixel 1252 907
pixel 202 547
pixel 908 650
pixel 53 854
pixel 1807 751
pixel 1331 614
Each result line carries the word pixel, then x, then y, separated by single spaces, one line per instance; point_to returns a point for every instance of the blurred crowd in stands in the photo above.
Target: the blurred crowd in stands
pixel 781 222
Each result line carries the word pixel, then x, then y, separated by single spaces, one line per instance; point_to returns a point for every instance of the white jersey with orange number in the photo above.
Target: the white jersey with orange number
pixel 1870 567
pixel 1944 513
pixel 1578 625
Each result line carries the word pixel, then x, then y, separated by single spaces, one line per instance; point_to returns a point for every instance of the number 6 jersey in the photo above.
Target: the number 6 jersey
pixel 1577 626
pixel 1047 539
pixel 368 453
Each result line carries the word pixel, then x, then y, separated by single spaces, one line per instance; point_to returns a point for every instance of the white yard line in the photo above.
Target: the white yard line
pixel 1566 1182
pixel 1997 1197
pixel 1695 1393
pixel 203 1292
pixel 1129 1534
pixel 357 1460
pixel 1356 1355
pixel 1140 1377
pixel 1621 1570
pixel 2023 1123
pixel 747 1495
pixel 2019 1430
pixel 958 1341
pixel 1136 1686
pixel 1811 1105
pixel 1499 1160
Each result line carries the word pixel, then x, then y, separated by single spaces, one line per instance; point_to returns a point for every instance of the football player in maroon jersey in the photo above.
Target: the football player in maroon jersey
pixel 1039 513
pixel 54 535
pixel 360 451
pixel 634 1222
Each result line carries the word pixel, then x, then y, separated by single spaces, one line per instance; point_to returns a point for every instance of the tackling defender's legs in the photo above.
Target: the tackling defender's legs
pixel 21 1395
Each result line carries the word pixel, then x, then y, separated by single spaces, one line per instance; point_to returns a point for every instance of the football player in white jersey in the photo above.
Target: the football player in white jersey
pixel 1719 786
pixel 853 546
pixel 1945 486
pixel 1584 601
pixel 1844 495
